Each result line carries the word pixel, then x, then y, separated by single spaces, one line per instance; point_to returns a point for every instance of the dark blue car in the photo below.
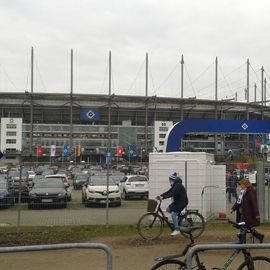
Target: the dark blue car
pixel 6 194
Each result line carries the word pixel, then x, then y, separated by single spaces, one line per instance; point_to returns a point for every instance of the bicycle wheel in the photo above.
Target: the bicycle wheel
pixel 257 263
pixel 150 226
pixel 192 219
pixel 170 265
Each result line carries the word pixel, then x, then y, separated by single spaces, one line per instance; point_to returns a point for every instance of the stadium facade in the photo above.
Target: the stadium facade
pixel 89 120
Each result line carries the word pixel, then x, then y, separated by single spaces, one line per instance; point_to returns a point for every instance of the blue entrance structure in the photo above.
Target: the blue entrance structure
pixel 178 130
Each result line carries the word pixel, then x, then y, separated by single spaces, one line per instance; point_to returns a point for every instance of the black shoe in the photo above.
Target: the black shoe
pixel 260 237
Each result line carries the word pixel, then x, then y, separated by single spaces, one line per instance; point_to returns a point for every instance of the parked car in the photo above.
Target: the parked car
pixel 74 171
pixel 3 169
pixel 48 172
pixel 94 191
pixel 6 193
pixel 30 176
pixel 48 192
pixel 79 180
pixel 126 169
pixel 64 178
pixel 134 186
pixel 19 184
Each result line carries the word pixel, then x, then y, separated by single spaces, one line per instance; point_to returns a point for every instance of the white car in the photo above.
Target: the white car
pixel 134 186
pixel 94 191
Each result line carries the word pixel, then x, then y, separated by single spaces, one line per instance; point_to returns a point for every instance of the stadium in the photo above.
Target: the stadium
pixel 86 120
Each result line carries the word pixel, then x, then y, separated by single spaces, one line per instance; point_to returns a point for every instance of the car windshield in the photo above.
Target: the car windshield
pixel 84 176
pixel 137 179
pixel 47 172
pixel 76 170
pixel 3 185
pixel 17 182
pixel 55 183
pixel 102 181
pixel 53 178
pixel 13 173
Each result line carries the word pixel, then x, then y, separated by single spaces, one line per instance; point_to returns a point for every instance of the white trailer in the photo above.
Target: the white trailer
pixel 204 181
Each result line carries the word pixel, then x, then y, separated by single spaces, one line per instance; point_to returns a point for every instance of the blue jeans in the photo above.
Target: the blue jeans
pixel 175 221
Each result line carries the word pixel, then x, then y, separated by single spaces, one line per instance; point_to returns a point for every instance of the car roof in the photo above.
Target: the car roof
pixel 55 176
pixel 136 175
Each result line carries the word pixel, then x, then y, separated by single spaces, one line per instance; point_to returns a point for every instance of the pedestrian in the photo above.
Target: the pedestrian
pixel 247 209
pixel 231 186
pixel 179 201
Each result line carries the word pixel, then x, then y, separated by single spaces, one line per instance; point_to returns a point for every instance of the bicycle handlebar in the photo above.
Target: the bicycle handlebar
pixel 239 225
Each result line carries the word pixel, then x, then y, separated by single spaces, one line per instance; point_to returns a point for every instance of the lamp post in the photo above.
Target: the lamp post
pixel 142 151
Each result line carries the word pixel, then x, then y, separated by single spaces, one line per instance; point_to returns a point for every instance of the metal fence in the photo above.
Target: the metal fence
pixel 263 190
pixel 77 213
pixel 215 247
pixel 104 247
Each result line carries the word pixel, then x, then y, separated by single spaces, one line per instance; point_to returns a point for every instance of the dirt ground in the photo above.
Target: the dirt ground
pixel 128 253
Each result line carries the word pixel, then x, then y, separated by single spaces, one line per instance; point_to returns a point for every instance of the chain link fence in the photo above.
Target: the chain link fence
pixel 211 199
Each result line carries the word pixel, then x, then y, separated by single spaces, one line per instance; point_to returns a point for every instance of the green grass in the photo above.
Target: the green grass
pixel 10 236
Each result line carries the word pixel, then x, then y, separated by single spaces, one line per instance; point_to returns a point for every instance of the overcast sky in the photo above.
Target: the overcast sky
pixel 232 30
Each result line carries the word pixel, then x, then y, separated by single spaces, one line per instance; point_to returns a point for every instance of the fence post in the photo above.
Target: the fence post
pixel 261 189
pixel 19 200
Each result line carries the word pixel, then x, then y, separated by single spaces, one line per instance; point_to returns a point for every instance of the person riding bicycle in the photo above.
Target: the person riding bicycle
pixel 179 201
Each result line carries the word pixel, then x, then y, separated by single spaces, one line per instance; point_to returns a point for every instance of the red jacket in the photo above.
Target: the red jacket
pixel 250 208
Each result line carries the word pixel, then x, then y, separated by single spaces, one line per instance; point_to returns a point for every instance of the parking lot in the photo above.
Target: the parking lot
pixel 75 214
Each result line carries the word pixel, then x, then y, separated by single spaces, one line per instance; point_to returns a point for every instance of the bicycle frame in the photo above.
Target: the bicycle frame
pixel 163 216
pixel 184 252
pixel 200 265
pixel 234 256
pixel 165 219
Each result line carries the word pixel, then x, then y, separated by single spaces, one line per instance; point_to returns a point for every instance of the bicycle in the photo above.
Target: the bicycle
pixel 249 263
pixel 151 225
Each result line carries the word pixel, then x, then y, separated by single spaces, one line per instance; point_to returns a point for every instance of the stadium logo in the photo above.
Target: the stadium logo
pixel 244 126
pixel 90 114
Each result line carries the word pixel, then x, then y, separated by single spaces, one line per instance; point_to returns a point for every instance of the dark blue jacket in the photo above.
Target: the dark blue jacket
pixel 179 195
pixel 232 182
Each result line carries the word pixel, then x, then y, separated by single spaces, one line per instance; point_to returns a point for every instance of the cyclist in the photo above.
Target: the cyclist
pixel 179 201
pixel 247 209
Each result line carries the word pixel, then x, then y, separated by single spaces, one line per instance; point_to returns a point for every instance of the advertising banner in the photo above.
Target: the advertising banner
pixel 78 151
pixel 131 151
pixel 108 158
pixel 119 151
pixel 65 151
pixel 53 148
pixel 39 151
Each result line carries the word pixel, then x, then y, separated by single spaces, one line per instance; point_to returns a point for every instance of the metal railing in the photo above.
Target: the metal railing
pixel 204 247
pixel 62 246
